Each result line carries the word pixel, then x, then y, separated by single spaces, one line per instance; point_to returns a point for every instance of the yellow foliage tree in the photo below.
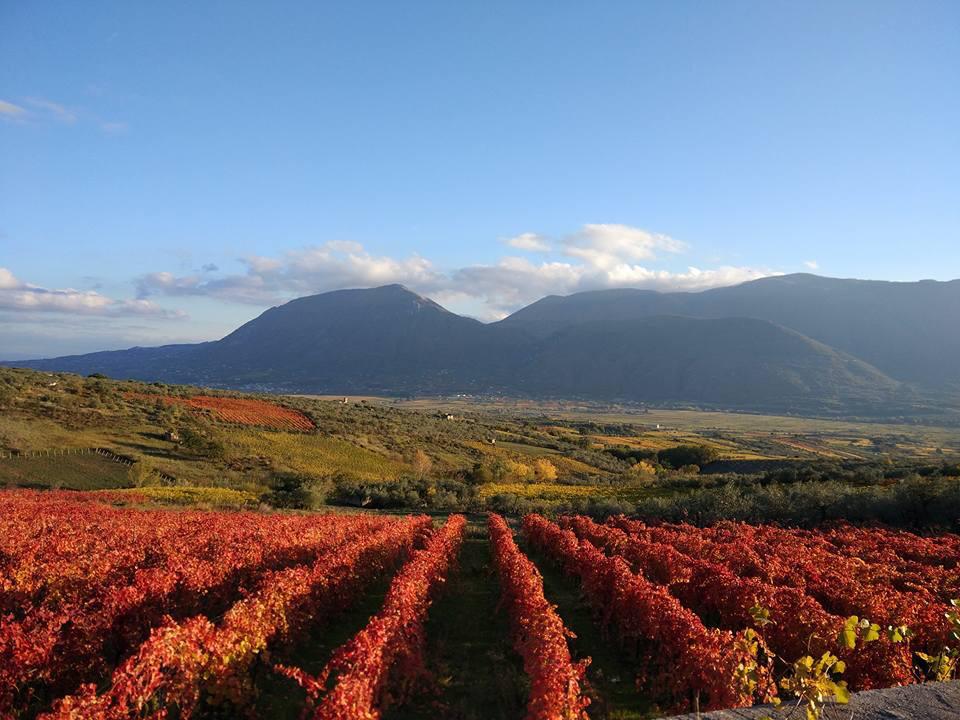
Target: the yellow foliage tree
pixel 544 470
pixel 642 471
pixel 519 471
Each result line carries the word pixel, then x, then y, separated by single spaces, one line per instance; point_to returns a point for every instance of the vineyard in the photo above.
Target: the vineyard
pixel 115 612
pixel 240 411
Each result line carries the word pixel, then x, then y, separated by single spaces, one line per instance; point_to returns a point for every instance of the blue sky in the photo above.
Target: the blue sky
pixel 171 169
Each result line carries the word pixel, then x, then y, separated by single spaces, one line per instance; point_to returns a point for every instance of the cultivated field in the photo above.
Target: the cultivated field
pixel 241 411
pixel 121 612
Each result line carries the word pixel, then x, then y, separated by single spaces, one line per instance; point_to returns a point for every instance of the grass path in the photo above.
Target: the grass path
pixel 610 675
pixel 478 675
pixel 282 698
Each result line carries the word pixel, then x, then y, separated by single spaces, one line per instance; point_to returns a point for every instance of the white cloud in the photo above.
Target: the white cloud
pixel 529 241
pixel 37 109
pixel 10 110
pixel 331 266
pixel 19 296
pixel 7 280
pixel 514 282
pixel 52 109
pixel 608 245
pixel 596 257
pixel 812 264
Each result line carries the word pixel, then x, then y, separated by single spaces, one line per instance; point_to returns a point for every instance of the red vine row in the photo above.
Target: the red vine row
pixel 538 633
pixel 390 647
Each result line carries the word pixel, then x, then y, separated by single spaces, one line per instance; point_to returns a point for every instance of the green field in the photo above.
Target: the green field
pixel 69 472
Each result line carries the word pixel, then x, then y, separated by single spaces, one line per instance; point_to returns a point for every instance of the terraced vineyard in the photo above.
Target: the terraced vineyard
pixel 241 411
pixel 111 612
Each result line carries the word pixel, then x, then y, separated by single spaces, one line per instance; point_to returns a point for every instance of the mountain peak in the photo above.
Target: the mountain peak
pixel 395 287
pixel 393 295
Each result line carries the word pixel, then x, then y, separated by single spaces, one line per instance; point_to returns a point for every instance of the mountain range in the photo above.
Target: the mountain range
pixel 799 343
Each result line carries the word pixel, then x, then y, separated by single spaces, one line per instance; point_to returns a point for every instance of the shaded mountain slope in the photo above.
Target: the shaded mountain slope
pixel 167 363
pixel 909 330
pixel 734 362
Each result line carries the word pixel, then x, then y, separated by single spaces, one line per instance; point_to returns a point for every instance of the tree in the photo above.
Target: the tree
pixel 499 472
pixel 544 470
pixel 198 443
pixel 677 457
pixel 641 471
pixel 288 490
pixel 141 474
pixel 480 474
pixel 421 463
pixel 518 471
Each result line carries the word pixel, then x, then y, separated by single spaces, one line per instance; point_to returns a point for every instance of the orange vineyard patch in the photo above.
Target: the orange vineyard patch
pixel 239 410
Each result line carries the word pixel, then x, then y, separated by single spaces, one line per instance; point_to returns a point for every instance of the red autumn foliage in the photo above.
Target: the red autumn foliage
pixel 539 635
pixel 184 661
pixel 723 571
pixel 238 410
pixel 681 660
pixel 127 613
pixel 82 583
pixel 381 662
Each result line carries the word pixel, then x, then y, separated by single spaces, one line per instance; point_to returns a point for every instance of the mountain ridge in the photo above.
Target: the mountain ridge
pixel 909 330
pixel 624 344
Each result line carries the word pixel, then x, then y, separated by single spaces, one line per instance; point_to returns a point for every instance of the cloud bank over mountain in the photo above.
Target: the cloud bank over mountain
pixel 597 256
pixel 205 302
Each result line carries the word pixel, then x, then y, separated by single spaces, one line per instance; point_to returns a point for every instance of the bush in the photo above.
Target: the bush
pixel 141 474
pixel 914 502
pixel 199 444
pixel 8 396
pixel 289 491
pixel 544 470
pixel 407 492
pixel 681 455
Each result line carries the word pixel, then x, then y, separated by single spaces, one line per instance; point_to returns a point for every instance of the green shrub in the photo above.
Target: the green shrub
pixel 289 491
pixel 915 502
pixel 198 443
pixel 406 492
pixel 681 455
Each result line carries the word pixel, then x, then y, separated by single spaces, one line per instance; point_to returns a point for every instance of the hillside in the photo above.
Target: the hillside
pixel 909 330
pixel 186 444
pixel 741 347
pixel 733 362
